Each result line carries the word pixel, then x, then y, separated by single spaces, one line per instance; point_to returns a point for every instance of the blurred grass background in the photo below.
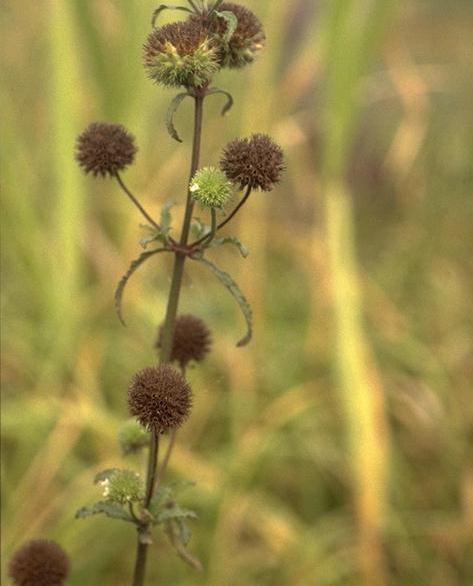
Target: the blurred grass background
pixel 337 447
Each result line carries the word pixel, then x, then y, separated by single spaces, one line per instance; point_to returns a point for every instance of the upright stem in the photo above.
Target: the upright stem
pixel 168 327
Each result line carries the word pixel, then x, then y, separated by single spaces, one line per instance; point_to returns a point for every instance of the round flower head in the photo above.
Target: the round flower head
pixel 191 340
pixel 255 162
pixel 105 149
pixel 160 398
pixel 210 187
pixel 180 53
pixel 247 39
pixel 39 563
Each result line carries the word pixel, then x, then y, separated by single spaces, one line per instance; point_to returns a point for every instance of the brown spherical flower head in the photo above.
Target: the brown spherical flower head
pixel 103 149
pixel 160 398
pixel 39 563
pixel 191 340
pixel 245 42
pixel 255 162
pixel 181 53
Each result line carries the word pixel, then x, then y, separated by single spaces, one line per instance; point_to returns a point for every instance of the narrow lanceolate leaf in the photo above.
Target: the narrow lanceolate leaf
pixel 110 509
pixel 231 240
pixel 124 280
pixel 173 106
pixel 231 21
pixel 228 104
pixel 175 512
pixel 162 7
pixel 230 284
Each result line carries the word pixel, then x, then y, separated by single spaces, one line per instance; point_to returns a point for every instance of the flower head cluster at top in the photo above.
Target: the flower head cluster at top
pixel 189 53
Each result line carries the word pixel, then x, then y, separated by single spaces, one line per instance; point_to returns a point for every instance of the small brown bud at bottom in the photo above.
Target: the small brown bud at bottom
pixel 39 563
pixel 160 398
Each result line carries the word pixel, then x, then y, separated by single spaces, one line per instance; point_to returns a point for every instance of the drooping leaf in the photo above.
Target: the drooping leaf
pixel 174 512
pixel 109 509
pixel 231 22
pixel 166 217
pixel 124 280
pixel 185 533
pixel 162 7
pixel 228 104
pixel 179 541
pixel 173 106
pixel 231 240
pixel 230 284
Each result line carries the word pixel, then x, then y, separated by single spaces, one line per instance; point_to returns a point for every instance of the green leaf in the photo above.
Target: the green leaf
pixel 105 475
pixel 174 512
pixel 109 509
pixel 231 21
pixel 216 5
pixel 166 217
pixel 228 104
pixel 199 229
pixel 124 280
pixel 231 240
pixel 230 284
pixel 173 106
pixel 185 533
pixel 162 7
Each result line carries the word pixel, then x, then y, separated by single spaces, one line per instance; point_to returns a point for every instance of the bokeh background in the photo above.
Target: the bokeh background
pixel 337 447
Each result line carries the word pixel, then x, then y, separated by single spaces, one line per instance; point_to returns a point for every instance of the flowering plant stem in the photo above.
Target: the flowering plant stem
pixel 167 335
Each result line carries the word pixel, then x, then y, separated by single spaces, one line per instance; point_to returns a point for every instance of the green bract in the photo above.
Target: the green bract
pixel 210 187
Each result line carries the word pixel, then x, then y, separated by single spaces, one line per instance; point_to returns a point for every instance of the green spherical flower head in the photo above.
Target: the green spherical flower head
pixel 181 54
pixel 122 486
pixel 39 563
pixel 132 437
pixel 210 187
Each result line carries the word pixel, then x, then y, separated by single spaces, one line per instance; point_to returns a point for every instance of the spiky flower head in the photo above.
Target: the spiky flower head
pixel 122 486
pixel 132 437
pixel 181 54
pixel 210 187
pixel 247 39
pixel 255 162
pixel 103 149
pixel 39 562
pixel 191 340
pixel 160 398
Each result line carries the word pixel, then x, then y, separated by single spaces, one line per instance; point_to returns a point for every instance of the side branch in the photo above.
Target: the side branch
pixel 135 201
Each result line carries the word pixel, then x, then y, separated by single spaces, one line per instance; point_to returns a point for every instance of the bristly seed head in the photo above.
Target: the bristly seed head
pixel 181 54
pixel 210 187
pixel 105 149
pixel 160 398
pixel 39 563
pixel 246 41
pixel 191 340
pixel 255 162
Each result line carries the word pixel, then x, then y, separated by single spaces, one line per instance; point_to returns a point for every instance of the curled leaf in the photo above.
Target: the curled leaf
pixel 230 284
pixel 124 280
pixel 228 104
pixel 162 7
pixel 231 240
pixel 173 107
pixel 231 22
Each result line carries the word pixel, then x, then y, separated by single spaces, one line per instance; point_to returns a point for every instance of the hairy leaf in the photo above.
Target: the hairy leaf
pixel 110 509
pixel 231 22
pixel 173 106
pixel 231 240
pixel 124 280
pixel 175 512
pixel 230 284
